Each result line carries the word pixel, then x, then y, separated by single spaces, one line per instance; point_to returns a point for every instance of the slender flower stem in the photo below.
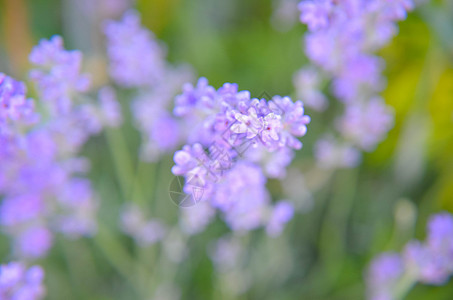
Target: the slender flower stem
pixel 118 257
pixel 406 283
pixel 122 160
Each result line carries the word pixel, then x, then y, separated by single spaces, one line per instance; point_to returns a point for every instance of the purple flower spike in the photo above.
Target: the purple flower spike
pixel 234 142
pixel 18 283
pixel 315 13
pixel 383 275
pixel 136 59
pixel 57 74
pixel 14 106
pixel 35 242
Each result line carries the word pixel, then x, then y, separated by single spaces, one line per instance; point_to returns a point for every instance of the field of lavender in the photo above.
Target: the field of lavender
pixel 212 149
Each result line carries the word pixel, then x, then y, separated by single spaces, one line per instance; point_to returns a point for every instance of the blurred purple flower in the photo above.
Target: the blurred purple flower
pixel 236 140
pixel 195 219
pixel 34 242
pixel 366 124
pixel 18 283
pixel 383 275
pixel 135 57
pixel 109 107
pixel 281 214
pixel 315 13
pixel 14 106
pixel 57 74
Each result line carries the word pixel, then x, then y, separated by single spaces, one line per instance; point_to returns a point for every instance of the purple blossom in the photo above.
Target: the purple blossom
pixel 383 275
pixel 18 283
pixel 34 242
pixel 440 232
pixel 281 214
pixel 366 124
pixel 308 84
pixel 293 121
pixel 199 97
pixel 231 131
pixel 20 209
pixel 249 124
pixel 57 74
pixel 38 163
pixel 362 75
pixel 165 132
pixel 315 13
pixel 341 44
pixel 77 205
pixel 274 163
pixel 242 197
pixel 195 219
pixel 14 106
pixel 135 57
pixel 109 107
pixel 427 265
pixel 432 262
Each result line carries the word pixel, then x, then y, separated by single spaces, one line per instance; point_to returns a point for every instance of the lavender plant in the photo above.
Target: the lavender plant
pixel 234 156
pixel 392 275
pixel 341 45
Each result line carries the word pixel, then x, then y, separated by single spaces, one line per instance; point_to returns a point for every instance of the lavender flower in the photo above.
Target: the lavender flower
pixel 308 85
pixel 109 107
pixel 366 124
pixel 341 44
pixel 161 132
pixel 39 167
pixel 195 219
pixel 242 197
pixel 430 262
pixel 383 276
pixel 34 242
pixel 19 283
pixel 14 106
pixel 235 140
pixel 57 75
pixel 135 58
pixel 433 261
pixel 281 214
pixel 315 13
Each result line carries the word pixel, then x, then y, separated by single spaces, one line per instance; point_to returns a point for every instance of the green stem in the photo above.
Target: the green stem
pixel 406 283
pixel 117 256
pixel 121 159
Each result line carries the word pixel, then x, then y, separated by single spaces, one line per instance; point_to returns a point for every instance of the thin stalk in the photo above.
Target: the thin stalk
pixel 122 160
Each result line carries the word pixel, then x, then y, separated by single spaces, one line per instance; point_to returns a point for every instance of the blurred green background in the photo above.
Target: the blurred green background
pixel 356 213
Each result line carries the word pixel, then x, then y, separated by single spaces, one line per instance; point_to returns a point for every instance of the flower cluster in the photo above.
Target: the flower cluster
pixel 15 108
pixel 19 283
pixel 137 60
pixel 234 142
pixel 341 44
pixel 57 75
pixel 430 262
pixel 40 171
